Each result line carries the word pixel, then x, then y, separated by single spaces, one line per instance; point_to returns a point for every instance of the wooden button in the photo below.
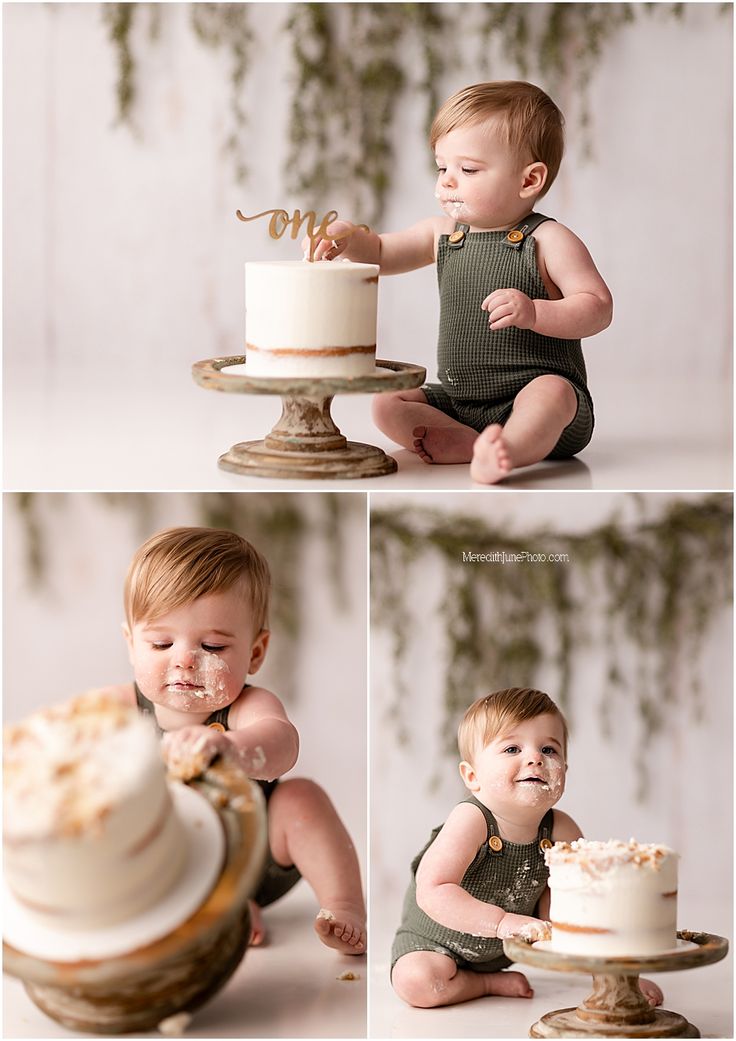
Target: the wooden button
pixel 495 843
pixel 217 726
pixel 457 236
pixel 515 235
pixel 545 844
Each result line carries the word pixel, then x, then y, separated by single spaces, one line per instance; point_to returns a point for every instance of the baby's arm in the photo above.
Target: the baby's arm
pixel 395 252
pixel 261 741
pixel 585 305
pixel 440 895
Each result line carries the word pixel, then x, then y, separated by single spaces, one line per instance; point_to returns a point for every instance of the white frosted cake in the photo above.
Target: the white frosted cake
pixel 310 319
pixel 612 898
pixel 90 836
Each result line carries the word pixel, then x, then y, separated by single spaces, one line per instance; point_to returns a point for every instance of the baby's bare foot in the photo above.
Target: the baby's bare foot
pixel 508 985
pixel 341 927
pixel 651 991
pixel 491 459
pixel 257 930
pixel 444 444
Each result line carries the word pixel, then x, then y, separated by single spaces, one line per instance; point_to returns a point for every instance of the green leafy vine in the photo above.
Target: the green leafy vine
pixel 278 524
pixel 350 74
pixel 645 592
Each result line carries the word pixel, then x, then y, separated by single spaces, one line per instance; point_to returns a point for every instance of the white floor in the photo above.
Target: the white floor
pixel 704 996
pixel 288 988
pixel 165 435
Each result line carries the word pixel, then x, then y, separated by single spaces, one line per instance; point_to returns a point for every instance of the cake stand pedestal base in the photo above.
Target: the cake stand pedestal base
pixel 306 443
pixel 616 1007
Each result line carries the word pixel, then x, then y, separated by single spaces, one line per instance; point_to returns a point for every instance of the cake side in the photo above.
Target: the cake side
pixel 90 835
pixel 612 898
pixel 310 319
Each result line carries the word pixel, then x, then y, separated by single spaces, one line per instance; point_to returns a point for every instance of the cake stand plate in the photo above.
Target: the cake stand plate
pixel 137 990
pixel 617 1008
pixel 306 443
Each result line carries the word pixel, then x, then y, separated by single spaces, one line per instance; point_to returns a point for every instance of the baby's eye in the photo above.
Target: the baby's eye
pixel 212 647
pixel 441 169
pixel 467 171
pixel 549 750
pixel 512 749
pixel 160 646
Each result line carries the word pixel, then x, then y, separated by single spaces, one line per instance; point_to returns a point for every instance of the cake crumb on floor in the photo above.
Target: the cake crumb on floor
pixel 174 1026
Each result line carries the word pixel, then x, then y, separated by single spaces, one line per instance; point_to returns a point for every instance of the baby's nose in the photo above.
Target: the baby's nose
pixel 186 658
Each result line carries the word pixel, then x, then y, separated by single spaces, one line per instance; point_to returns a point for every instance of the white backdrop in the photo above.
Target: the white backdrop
pixel 689 804
pixel 123 258
pixel 66 637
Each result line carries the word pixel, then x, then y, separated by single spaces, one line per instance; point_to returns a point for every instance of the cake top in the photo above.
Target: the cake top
pixel 321 266
pixel 65 767
pixel 599 857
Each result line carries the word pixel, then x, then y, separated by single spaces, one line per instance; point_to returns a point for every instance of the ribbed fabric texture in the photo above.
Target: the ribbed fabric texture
pixel 481 370
pixel 513 878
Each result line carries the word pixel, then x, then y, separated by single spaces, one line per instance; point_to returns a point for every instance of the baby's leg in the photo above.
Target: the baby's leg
pixel 542 410
pixel 408 419
pixel 426 979
pixel 305 830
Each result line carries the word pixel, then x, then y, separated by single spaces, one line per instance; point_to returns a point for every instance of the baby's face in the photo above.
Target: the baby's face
pixel 196 658
pixel 523 768
pixel 479 179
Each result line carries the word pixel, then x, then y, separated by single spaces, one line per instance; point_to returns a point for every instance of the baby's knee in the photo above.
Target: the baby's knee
pixel 418 983
pixel 557 391
pixel 299 792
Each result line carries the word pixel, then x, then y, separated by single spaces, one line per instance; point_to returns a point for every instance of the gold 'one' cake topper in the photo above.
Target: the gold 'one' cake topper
pixel 280 221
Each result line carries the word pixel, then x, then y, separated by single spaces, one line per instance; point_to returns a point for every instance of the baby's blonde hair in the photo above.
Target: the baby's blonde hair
pixel 530 123
pixel 491 715
pixel 178 565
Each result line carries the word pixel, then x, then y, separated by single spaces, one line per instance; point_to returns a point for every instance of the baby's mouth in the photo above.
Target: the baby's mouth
pixel 533 780
pixel 178 685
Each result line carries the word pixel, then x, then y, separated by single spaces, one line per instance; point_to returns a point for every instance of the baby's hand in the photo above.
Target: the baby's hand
pixel 509 307
pixel 527 929
pixel 326 248
pixel 189 751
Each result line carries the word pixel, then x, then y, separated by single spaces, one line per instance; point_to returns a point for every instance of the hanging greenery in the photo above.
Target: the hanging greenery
pixel 282 526
pixel 350 74
pixel 645 592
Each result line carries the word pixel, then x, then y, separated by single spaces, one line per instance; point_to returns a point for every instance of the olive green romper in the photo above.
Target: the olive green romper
pixel 512 877
pixel 481 370
pixel 276 880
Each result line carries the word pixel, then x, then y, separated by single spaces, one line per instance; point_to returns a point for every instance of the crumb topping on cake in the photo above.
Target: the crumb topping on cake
pixel 597 858
pixel 64 767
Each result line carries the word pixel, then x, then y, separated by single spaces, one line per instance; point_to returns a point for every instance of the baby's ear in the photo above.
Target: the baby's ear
pixel 468 775
pixel 258 651
pixel 535 178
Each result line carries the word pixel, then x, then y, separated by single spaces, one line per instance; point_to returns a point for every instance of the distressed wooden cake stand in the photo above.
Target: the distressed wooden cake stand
pixel 305 443
pixel 617 1008
pixel 136 991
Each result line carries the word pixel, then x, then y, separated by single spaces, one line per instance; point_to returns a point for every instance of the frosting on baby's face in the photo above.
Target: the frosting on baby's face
pixel 520 770
pixel 481 181
pixel 196 658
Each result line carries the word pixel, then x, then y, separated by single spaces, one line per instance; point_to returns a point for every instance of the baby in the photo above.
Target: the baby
pixel 482 877
pixel 517 292
pixel 196 606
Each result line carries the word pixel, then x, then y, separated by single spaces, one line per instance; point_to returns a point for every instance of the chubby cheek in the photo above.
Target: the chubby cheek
pixel 215 682
pixel 556 777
